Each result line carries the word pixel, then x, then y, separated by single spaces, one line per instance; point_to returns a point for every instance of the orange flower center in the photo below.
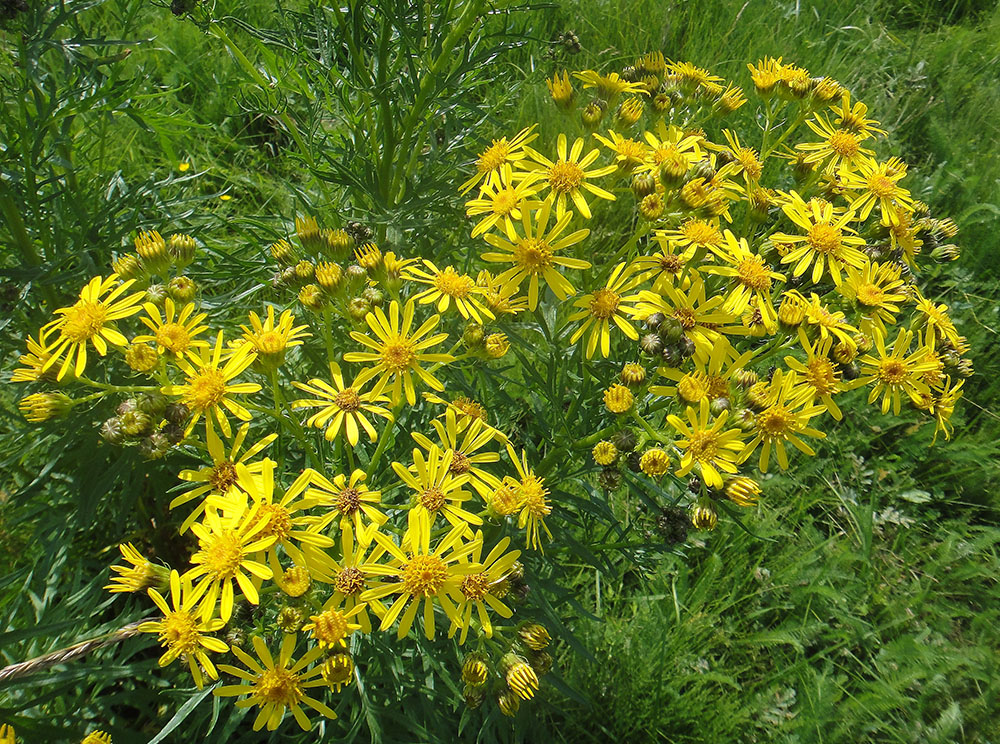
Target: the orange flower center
pixel 604 303
pixel 871 295
pixel 459 464
pixel 222 476
pixel 565 177
pixel 821 375
pixel 881 186
pixel 892 371
pixel 349 581
pixel 701 233
pixel 432 499
pixel 279 521
pixel 475 586
pixel 775 422
pixel 278 686
pixel 505 202
pixel 704 445
pixel 424 575
pixel 348 501
pixel 84 320
pixel 453 284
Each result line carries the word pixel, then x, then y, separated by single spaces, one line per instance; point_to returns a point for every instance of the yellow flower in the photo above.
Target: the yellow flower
pixel 396 353
pixel 618 399
pixel 90 319
pixel 766 74
pixel 891 373
pixel 742 491
pixel 182 633
pixel 784 418
pixel 97 737
pixel 609 86
pixel 701 318
pixel 654 462
pixel 141 575
pixel 879 291
pixel 878 184
pixel 935 317
pixel 349 574
pixel 465 437
pixel 174 333
pixel 753 280
pixel 270 340
pixel 534 254
pixel 40 407
pixel 941 405
pixel 746 159
pixel 706 445
pixel 605 453
pixel 499 297
pixel 332 627
pixel 500 153
pixel 502 201
pixel 693 233
pixel 629 153
pixel 820 375
pixel 827 241
pixel 224 557
pixel 436 491
pixel 854 118
pixel 561 90
pixel 692 74
pixel 209 388
pixel 479 590
pixel 599 309
pixel 828 323
pixel 351 500
pixel 521 678
pixel 342 408
pixel 221 477
pixel 277 685
pixel 671 148
pixel 34 361
pixel 446 286
pixel 531 493
pixel 286 520
pixel 568 177
pixel 838 146
pixel 421 574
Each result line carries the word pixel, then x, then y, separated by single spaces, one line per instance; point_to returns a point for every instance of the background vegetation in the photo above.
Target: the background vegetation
pixel 865 604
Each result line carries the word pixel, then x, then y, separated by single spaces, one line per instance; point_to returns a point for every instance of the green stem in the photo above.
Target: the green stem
pixel 653 433
pixel 383 439
pixel 118 388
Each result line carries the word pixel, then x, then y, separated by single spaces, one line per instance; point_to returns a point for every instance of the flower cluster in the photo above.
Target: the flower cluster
pixel 339 488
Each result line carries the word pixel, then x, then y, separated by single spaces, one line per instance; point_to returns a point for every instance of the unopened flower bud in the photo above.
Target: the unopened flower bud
pixel 182 289
pixel 182 249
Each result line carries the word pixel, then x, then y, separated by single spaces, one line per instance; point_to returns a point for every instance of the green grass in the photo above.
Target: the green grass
pixel 866 607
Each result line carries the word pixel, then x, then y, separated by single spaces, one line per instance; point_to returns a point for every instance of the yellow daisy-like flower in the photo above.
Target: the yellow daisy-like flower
pixel 838 146
pixel 182 632
pixel 819 375
pixel 667 265
pixel 629 153
pixel 670 147
pixel 701 318
pixel 706 445
pixel 7 734
pixel 568 177
pixel 753 279
pixel 941 405
pixel 351 502
pixel 828 244
pixel 332 627
pixel 97 737
pixel 892 372
pixel 784 418
pixel 398 354
pixel 500 153
pixel 343 408
pixel 935 317
pixel 174 332
pixel 421 574
pixel 478 591
pixel 878 184
pixel 693 75
pixel 502 201
pixel 90 319
pixel 820 319
pixel 286 519
pixel 535 256
pixel 878 289
pixel 209 388
pixel 221 477
pixel 531 499
pixel 349 574
pixel 746 159
pixel 447 286
pixel 854 118
pixel 271 340
pixel 599 309
pixel 694 234
pixel 436 491
pixel 609 86
pixel 277 685
pixel 141 575
pixel 501 298
pixel 225 556
pixel 766 74
pixel 465 437
pixel 34 361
